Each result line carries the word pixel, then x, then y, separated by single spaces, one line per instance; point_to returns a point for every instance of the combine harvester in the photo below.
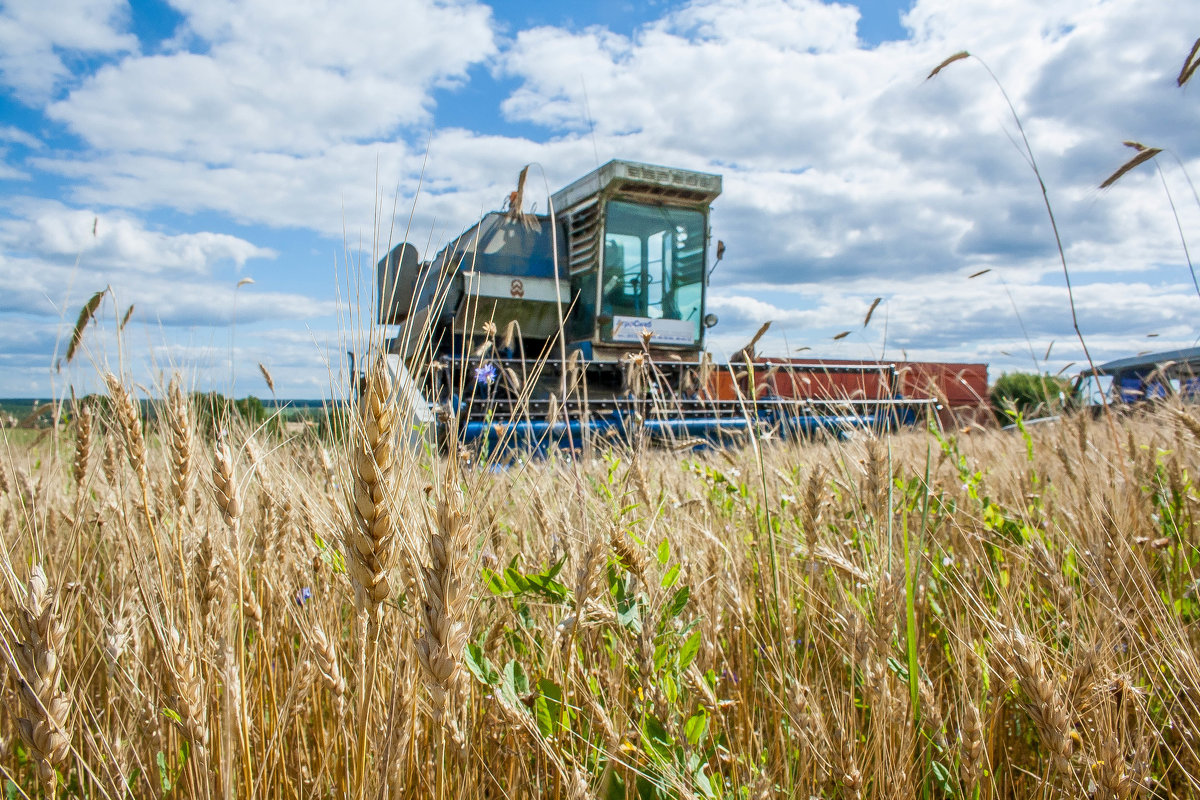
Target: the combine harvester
pixel 587 323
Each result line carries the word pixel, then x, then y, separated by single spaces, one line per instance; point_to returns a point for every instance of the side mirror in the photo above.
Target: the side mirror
pixel 710 320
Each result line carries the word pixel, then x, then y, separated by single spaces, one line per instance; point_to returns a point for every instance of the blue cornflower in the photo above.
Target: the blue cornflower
pixel 485 373
pixel 303 596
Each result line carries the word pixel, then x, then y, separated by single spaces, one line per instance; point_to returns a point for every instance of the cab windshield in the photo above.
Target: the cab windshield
pixel 653 265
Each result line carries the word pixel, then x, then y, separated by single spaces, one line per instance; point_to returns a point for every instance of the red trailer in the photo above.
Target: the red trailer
pixel 961 389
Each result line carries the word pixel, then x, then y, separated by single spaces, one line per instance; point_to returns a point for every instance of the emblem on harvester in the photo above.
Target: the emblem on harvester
pixel 518 288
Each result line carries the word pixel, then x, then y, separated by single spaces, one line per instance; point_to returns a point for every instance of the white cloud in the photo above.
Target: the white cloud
pixel 286 79
pixel 10 173
pixel 299 361
pixel 39 287
pixel 11 133
pixel 35 35
pixel 182 287
pixel 119 242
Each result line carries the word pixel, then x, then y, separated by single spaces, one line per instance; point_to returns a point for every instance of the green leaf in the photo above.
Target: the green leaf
pixel 616 787
pixel 696 726
pixel 12 791
pixel 520 678
pixel 670 688
pixel 163 777
pixel 514 685
pixel 548 707
pixel 664 552
pixel 546 586
pixel 678 601
pixel 172 715
pixel 661 651
pixel 702 781
pixel 556 568
pixel 481 666
pixel 494 581
pixel 941 774
pixel 672 575
pixel 689 650
pixel 629 613
pixel 516 581
pixel 657 739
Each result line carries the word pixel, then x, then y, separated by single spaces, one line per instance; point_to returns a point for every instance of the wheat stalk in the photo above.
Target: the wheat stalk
pixel 229 503
pixel 371 538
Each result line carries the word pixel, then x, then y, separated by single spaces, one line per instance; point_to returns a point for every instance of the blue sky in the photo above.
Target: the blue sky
pixel 172 149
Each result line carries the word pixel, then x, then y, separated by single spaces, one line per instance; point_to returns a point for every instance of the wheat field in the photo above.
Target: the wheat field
pixel 196 609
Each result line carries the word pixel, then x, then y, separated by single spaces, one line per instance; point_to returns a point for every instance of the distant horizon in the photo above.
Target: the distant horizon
pixel 266 401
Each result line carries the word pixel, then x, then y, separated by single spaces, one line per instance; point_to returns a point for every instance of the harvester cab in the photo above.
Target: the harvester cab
pixel 623 256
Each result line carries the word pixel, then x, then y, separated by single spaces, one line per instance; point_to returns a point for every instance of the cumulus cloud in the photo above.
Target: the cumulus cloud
pixel 39 287
pixel 53 257
pixel 119 242
pixel 285 79
pixel 35 36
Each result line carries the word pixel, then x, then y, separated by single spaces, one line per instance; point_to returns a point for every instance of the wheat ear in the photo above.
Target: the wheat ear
pixel 444 632
pixel 179 420
pixel 373 538
pixel 331 673
pixel 191 697
pixel 970 748
pixel 212 585
pixel 226 494
pixel 44 726
pixel 230 503
pixel 1045 704
pixel 83 444
pixel 130 419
